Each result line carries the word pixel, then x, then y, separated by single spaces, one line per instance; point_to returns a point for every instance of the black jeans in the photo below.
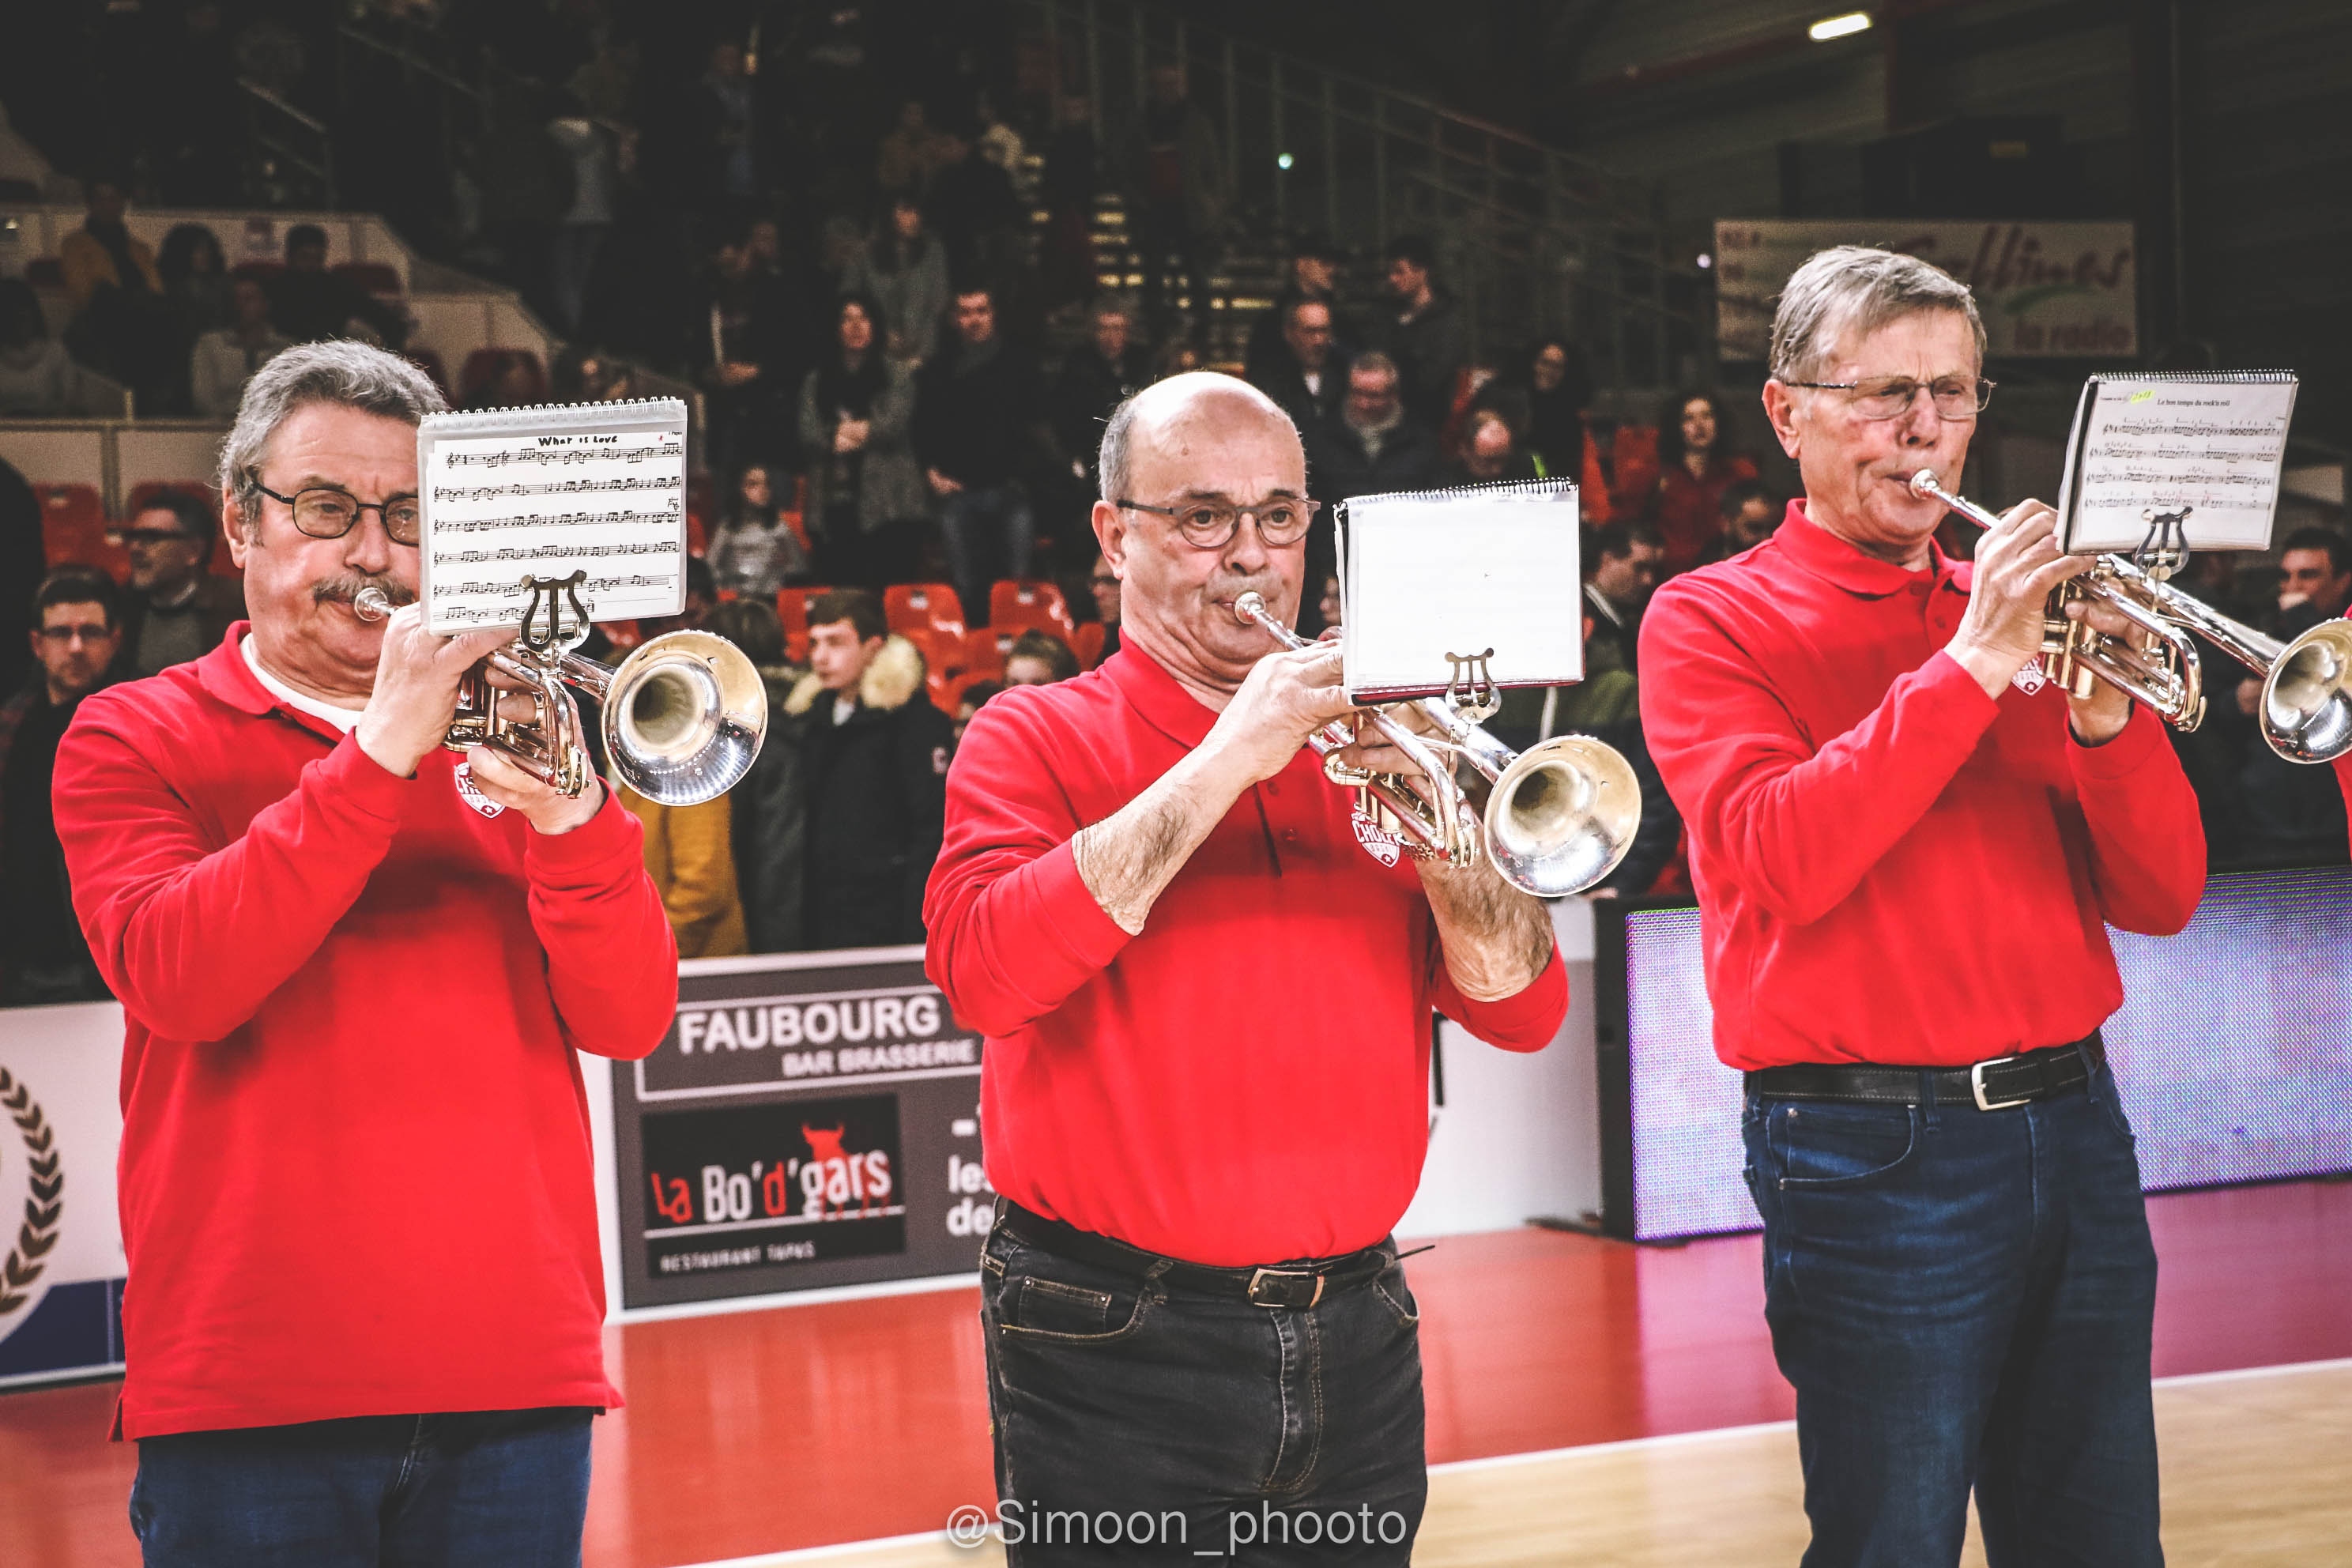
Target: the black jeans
pixel 1135 1423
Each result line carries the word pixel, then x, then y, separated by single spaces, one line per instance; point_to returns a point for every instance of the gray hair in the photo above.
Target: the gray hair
pixel 1377 363
pixel 1852 290
pixel 339 372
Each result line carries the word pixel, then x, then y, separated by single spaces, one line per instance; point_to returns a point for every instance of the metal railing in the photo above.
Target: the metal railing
pixel 294 152
pixel 1530 239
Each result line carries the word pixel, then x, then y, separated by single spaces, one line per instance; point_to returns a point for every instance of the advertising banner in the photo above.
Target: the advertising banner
pixel 810 1121
pixel 61 1263
pixel 2059 291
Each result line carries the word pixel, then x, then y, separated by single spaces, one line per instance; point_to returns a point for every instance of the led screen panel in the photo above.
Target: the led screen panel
pixel 2233 1047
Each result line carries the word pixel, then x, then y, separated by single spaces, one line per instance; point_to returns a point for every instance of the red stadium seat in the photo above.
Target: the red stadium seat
pixel 985 653
pixel 946 662
pixel 1030 605
pixel 375 277
pixel 1089 643
pixel 698 495
pixel 73 528
pixel 697 538
pixel 484 366
pixel 792 609
pixel 933 605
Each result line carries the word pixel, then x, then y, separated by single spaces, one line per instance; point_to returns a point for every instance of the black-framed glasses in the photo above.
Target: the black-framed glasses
pixel 88 631
pixel 1890 397
pixel 326 512
pixel 1210 525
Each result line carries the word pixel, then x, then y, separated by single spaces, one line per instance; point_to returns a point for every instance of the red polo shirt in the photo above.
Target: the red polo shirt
pixel 355 1176
pixel 1891 865
pixel 1247 1081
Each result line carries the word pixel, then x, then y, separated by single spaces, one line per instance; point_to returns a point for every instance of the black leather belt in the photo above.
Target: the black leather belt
pixel 1298 1285
pixel 1994 1085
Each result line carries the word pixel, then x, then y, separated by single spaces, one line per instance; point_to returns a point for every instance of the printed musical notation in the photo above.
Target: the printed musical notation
pixel 548 491
pixel 2207 451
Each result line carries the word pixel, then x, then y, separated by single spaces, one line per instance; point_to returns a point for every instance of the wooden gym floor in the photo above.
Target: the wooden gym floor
pixel 798 1429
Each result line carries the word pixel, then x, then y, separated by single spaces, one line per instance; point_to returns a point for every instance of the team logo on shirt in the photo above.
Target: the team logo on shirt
pixel 1378 843
pixel 471 794
pixel 2029 677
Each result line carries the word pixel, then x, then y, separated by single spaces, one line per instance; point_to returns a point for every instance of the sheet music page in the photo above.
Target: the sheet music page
pixel 546 492
pixel 2214 443
pixel 1426 575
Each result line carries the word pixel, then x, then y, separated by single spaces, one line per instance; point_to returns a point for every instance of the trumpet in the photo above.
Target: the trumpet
pixel 1554 819
pixel 2305 712
pixel 683 715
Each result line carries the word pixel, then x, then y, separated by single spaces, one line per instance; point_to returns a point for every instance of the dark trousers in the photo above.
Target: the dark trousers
pixel 493 1489
pixel 1134 1424
pixel 1963 1299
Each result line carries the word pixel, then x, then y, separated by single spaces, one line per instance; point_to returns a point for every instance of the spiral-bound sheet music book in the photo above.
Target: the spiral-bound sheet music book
pixel 2170 461
pixel 1425 575
pixel 596 487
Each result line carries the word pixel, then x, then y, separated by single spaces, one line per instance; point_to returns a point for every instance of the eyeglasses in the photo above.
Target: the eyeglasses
pixel 1956 397
pixel 155 536
pixel 328 513
pixel 88 631
pixel 1208 525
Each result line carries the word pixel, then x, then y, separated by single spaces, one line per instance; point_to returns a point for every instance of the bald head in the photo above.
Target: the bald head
pixel 1199 443
pixel 1200 406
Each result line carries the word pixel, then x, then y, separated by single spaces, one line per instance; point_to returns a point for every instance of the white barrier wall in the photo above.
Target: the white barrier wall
pixel 61 1263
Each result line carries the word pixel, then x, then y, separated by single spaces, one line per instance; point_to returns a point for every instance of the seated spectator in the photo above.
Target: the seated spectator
pixel 1038 658
pixel 863 826
pixel 1102 582
pixel 195 280
pixel 1693 474
pixel 43 956
pixel 978 418
pixel 1306 372
pixel 1427 337
pixel 35 374
pixel 1621 572
pixel 1096 378
pixel 223 361
pixel 865 490
pixel 1558 391
pixel 689 849
pixel 1374 446
pixel 1490 452
pixel 1314 275
pixel 908 154
pixel 754 551
pixel 122 327
pixel 971 701
pixel 308 302
pixel 1749 517
pixel 514 386
pixel 904 269
pixel 176 610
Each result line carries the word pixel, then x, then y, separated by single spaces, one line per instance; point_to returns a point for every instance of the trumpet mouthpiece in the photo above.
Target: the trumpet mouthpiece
pixel 1925 486
pixel 1250 606
pixel 372 603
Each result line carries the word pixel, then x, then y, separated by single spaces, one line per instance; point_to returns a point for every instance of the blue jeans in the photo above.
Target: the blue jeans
pixel 1136 1424
pixel 493 1488
pixel 1963 1299
pixel 989 532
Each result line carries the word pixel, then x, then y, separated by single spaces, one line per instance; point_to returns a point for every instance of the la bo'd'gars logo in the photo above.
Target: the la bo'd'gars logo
pixel 43 1197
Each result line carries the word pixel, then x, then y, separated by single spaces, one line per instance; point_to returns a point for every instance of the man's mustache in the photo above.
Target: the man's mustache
pixel 345 586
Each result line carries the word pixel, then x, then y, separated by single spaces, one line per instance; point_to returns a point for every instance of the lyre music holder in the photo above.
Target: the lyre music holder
pixel 1470 690
pixel 545 600
pixel 2165 550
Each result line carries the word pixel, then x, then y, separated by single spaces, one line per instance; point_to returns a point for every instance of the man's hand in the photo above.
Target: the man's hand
pixel 2017 563
pixel 2101 716
pixel 416 695
pixel 1286 697
pixel 850 435
pixel 546 808
pixel 737 373
pixel 940 484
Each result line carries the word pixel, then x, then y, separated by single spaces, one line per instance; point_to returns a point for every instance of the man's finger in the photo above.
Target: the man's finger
pixel 503 779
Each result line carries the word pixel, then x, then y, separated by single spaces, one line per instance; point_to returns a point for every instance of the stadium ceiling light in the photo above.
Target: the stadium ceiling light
pixel 1282 161
pixel 1829 28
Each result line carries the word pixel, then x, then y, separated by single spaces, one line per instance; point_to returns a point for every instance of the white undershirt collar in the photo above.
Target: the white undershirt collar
pixel 343 719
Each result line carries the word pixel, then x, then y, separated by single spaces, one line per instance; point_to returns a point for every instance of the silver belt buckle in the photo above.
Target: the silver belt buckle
pixel 1264 1273
pixel 1977 1087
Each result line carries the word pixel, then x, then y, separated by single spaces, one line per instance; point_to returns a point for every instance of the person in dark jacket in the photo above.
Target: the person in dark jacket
pixel 1427 337
pixel 308 302
pixel 850 791
pixel 978 418
pixel 1306 373
pixel 1315 266
pixel 1096 378
pixel 1373 446
pixel 176 609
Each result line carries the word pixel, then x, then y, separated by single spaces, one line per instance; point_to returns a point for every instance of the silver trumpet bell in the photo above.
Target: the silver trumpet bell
pixel 2305 714
pixel 1554 819
pixel 683 716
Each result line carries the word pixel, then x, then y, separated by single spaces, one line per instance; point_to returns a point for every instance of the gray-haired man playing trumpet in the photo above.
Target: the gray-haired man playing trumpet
pixel 364 1315
pixel 1908 847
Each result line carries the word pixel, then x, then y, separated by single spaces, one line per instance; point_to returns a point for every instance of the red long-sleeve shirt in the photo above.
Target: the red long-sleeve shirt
pixel 1891 865
pixel 1244 1083
pixel 355 1176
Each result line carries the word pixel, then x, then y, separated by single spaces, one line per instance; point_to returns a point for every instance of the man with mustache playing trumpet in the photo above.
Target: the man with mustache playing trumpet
pixel 1207 995
pixel 1906 848
pixel 365 1310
